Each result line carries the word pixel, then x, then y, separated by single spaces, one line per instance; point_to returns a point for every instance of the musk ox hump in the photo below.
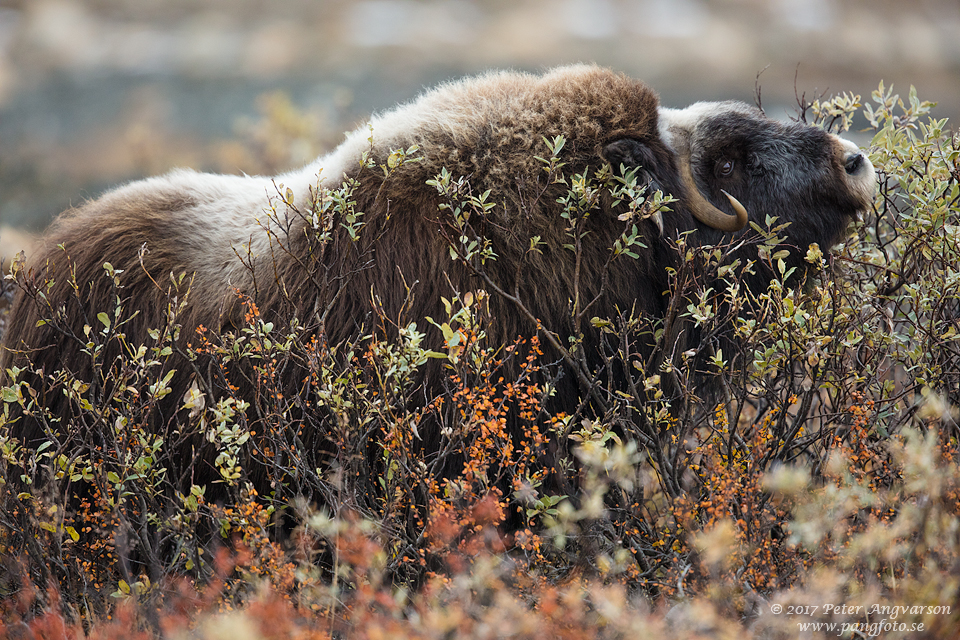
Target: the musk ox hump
pixel 491 127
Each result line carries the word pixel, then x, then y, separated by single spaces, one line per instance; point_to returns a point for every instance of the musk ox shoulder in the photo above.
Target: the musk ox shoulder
pixel 267 238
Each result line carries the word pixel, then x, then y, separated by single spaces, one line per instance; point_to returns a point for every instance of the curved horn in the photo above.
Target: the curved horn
pixel 701 208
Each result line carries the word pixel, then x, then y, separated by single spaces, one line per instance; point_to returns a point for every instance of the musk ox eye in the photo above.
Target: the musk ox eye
pixel 724 167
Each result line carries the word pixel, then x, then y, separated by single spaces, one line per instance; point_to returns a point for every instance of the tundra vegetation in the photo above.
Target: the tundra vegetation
pixel 820 468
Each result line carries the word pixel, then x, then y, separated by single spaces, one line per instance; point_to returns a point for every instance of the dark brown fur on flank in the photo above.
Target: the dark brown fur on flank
pixel 490 130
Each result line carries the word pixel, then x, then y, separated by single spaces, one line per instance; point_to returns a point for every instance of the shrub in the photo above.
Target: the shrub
pixel 802 452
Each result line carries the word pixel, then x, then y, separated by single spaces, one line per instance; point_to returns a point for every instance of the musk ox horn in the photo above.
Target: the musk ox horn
pixel 701 208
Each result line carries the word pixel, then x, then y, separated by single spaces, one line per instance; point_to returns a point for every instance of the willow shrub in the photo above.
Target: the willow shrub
pixel 803 447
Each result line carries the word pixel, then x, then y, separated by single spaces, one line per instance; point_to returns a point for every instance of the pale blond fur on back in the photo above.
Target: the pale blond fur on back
pixel 222 215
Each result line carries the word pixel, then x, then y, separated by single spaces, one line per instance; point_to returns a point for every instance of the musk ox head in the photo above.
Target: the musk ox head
pixel 737 165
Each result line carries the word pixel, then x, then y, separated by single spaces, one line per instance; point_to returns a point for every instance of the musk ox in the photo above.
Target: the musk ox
pixel 724 163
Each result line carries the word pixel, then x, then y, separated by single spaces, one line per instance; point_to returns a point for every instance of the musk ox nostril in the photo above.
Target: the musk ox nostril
pixel 853 163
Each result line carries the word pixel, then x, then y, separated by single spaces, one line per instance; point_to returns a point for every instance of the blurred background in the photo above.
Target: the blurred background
pixel 97 92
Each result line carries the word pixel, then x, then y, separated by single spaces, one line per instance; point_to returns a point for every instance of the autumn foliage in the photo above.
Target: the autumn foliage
pixel 810 456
